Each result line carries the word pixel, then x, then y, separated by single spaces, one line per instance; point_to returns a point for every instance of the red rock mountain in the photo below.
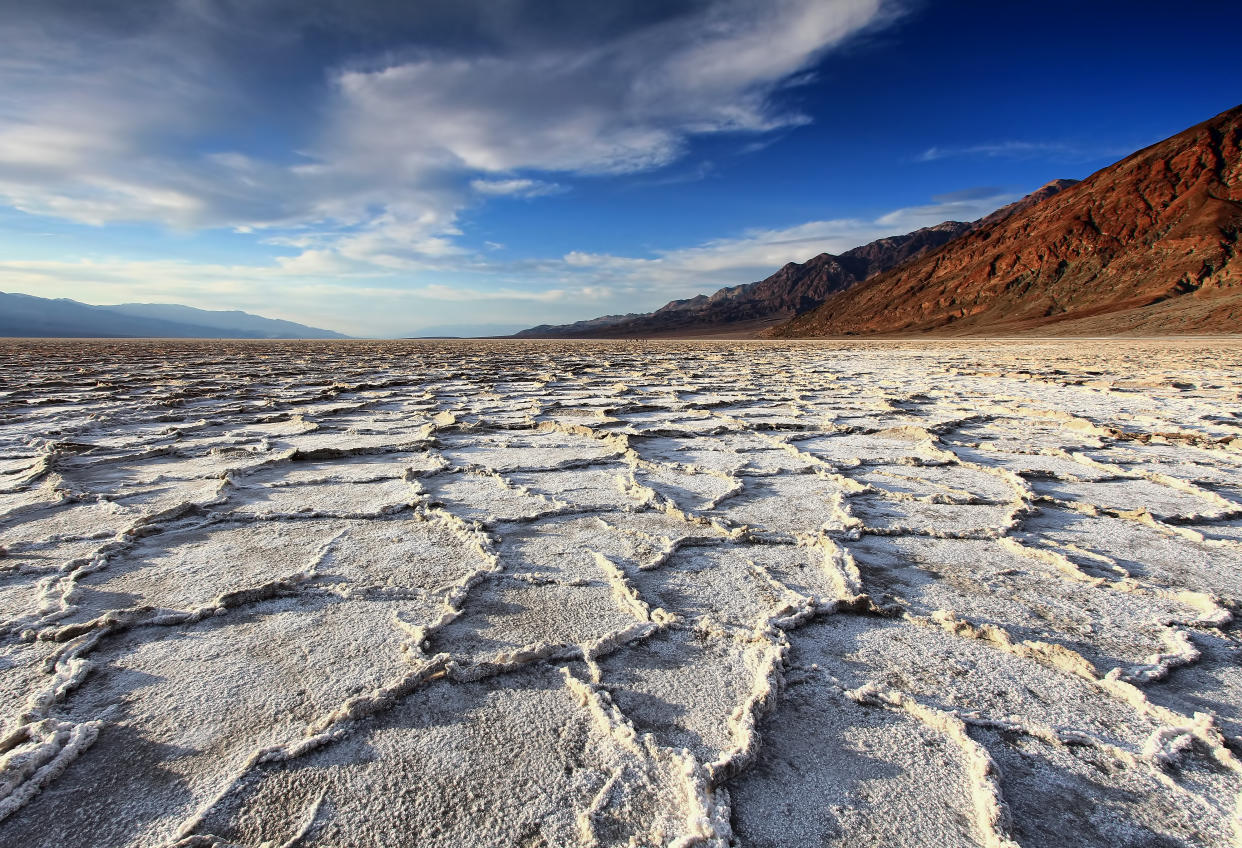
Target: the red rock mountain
pixel 1148 245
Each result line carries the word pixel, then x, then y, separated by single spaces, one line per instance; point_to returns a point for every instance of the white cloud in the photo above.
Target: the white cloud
pixel 1005 149
pixel 516 188
pixel 1063 151
pixel 133 123
pixel 966 208
pixel 437 291
pixel 619 106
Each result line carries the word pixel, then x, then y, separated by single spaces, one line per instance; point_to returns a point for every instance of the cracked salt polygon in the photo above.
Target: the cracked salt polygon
pixel 503 593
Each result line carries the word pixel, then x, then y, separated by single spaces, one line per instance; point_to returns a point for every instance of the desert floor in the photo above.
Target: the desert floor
pixel 496 593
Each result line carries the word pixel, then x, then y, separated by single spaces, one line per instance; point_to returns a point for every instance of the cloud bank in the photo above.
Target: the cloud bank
pixel 358 133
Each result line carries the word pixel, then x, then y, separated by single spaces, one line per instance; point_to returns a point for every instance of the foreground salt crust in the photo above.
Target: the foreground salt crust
pixel 279 594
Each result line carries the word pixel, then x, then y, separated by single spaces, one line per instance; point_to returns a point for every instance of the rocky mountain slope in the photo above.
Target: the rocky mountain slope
pixel 24 315
pixel 796 287
pixel 1148 245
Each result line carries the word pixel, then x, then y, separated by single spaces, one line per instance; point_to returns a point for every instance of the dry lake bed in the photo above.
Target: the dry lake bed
pixel 558 594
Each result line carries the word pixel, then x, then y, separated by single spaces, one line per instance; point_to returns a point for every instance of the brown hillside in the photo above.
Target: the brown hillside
pixel 1148 245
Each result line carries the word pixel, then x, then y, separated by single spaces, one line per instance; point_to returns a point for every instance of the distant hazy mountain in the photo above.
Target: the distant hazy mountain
pixel 1151 244
pixel 794 289
pixel 24 315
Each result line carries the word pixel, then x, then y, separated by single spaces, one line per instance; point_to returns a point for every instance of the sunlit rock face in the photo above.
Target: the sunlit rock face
pixel 769 594
pixel 1147 246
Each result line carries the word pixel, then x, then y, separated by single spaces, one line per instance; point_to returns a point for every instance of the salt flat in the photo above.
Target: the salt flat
pixel 496 593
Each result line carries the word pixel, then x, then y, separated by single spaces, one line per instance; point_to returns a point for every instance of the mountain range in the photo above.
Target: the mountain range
pixel 796 288
pixel 27 316
pixel 1145 246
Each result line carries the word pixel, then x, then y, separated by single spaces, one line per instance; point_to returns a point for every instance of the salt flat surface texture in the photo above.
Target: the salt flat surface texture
pixel 473 594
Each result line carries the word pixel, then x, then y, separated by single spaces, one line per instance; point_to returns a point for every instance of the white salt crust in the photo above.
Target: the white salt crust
pixel 633 594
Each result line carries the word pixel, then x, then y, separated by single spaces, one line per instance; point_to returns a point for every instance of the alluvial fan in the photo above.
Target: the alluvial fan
pixel 512 593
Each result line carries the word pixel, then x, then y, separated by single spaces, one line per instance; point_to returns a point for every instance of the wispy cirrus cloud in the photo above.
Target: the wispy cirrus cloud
pixel 369 143
pixel 524 188
pixel 1060 151
pixel 986 194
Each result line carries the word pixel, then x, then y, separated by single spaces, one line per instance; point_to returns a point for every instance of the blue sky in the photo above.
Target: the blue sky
pixel 390 169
